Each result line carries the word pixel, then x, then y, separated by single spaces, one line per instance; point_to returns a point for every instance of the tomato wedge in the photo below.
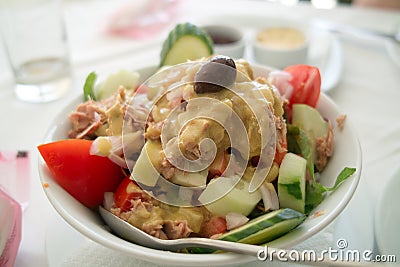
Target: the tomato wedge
pixel 86 177
pixel 306 82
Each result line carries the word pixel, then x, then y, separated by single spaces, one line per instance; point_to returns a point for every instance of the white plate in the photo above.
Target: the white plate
pixel 393 49
pixel 387 218
pixel 89 223
pixel 325 50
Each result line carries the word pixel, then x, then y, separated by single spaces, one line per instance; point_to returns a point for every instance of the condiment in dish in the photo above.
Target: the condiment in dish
pixel 228 40
pixel 280 46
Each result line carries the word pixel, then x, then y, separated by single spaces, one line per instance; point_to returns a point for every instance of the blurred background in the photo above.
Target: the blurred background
pixel 332 3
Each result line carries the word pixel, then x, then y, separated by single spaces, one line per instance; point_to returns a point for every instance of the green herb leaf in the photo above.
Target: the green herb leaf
pixel 315 191
pixel 88 88
pixel 314 195
pixel 343 175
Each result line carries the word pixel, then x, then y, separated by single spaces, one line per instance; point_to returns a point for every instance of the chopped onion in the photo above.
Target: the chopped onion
pixel 111 147
pixel 234 220
pixel 120 161
pixel 269 196
pixel 108 200
pixel 281 80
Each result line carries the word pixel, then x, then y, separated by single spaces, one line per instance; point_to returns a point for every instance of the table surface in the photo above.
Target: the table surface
pixel 368 91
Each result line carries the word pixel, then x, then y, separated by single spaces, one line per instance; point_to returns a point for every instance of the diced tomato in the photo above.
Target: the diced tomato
pixel 219 164
pixel 125 192
pixel 216 225
pixel 86 177
pixel 279 155
pixel 141 89
pixel 306 82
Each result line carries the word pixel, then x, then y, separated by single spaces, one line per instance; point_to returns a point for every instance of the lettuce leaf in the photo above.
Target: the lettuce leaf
pixel 88 88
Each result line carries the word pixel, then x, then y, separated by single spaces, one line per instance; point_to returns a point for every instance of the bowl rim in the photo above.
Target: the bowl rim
pixel 156 256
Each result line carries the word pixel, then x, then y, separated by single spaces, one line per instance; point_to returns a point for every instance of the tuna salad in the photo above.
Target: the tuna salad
pixel 188 131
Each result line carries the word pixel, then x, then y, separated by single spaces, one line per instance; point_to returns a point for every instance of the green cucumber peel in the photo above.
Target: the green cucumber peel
pixel 88 88
pixel 298 143
pixel 293 189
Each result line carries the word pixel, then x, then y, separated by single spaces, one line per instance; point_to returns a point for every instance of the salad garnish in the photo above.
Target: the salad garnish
pixel 88 88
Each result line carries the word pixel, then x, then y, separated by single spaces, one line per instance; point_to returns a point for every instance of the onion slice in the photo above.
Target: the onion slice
pixel 108 200
pixel 281 80
pixel 234 220
pixel 269 196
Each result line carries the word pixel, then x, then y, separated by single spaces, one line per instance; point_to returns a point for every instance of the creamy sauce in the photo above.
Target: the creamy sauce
pixel 281 38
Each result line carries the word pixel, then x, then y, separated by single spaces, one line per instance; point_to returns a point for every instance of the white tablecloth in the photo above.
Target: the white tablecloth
pixel 368 92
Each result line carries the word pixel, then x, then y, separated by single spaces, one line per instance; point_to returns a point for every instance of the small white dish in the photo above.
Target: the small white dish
pixel 280 44
pixel 228 40
pixel 387 218
pixel 89 223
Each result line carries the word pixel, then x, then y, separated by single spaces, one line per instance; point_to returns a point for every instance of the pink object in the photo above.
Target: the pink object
pixel 10 230
pixel 15 175
pixel 141 21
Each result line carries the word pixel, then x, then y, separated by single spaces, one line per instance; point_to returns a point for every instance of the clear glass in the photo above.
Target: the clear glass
pixel 36 44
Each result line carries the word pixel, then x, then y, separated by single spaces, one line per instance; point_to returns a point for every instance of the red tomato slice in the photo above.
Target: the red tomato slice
pixel 86 177
pixel 306 82
pixel 126 191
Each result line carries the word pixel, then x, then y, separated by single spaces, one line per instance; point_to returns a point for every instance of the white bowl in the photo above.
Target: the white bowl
pixel 89 223
pixel 280 44
pixel 228 41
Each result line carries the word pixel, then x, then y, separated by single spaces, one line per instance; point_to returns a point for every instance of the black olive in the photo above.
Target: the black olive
pixel 217 73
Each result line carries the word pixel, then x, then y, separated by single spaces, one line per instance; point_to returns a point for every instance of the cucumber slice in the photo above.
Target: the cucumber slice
pixel 262 229
pixel 238 200
pixel 190 178
pixel 125 78
pixel 310 120
pixel 292 182
pixel 185 42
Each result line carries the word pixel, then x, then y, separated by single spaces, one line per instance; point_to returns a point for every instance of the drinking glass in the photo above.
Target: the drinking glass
pixel 36 45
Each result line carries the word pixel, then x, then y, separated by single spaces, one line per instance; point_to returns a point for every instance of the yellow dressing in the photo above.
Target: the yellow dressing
pixel 281 38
